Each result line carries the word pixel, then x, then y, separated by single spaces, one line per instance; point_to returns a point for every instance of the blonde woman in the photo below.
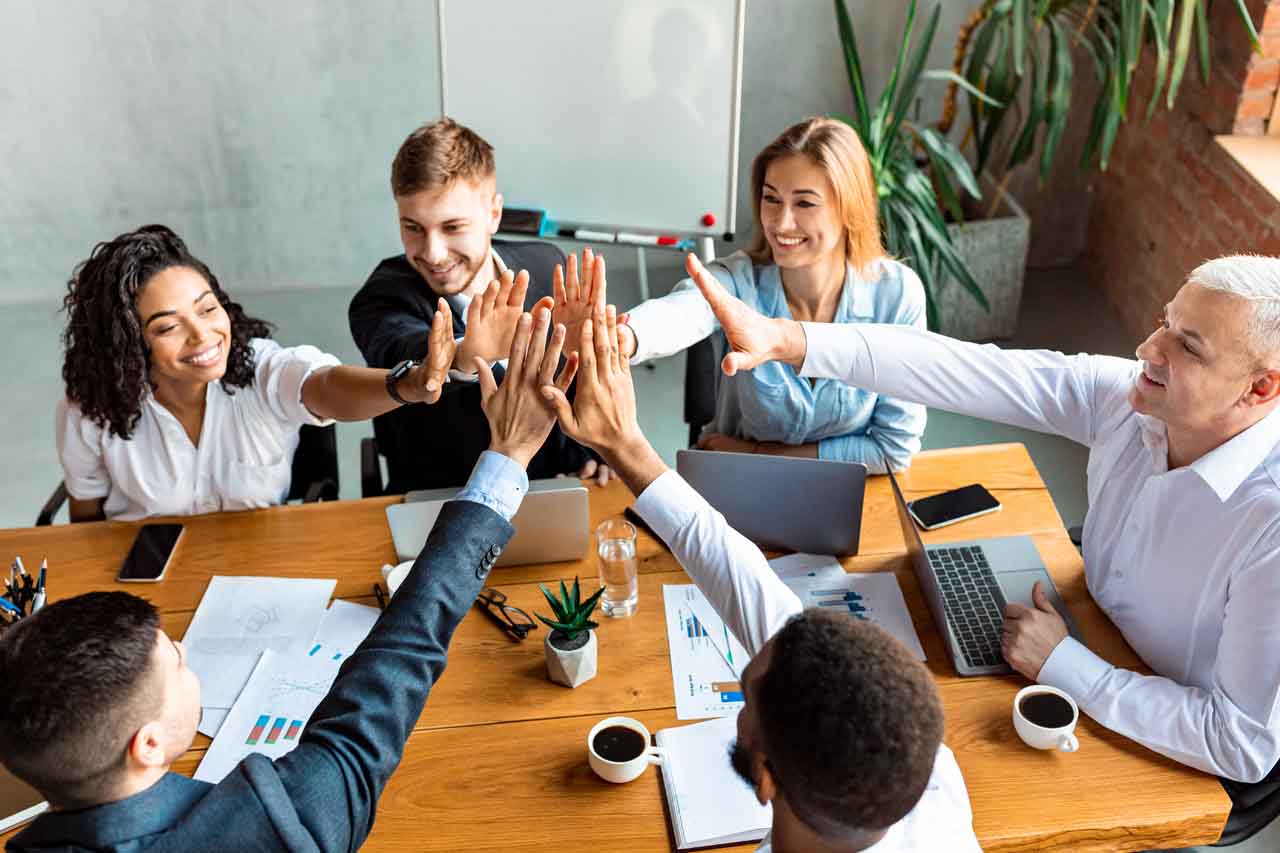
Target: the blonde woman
pixel 816 255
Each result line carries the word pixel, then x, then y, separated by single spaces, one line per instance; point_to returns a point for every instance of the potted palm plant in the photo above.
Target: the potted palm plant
pixel 571 645
pixel 923 180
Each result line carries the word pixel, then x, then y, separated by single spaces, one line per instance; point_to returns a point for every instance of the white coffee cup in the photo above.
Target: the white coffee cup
pixel 1061 738
pixel 622 771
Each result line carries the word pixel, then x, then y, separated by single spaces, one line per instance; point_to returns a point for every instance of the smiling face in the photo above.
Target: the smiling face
pixel 1195 368
pixel 446 232
pixel 799 213
pixel 185 327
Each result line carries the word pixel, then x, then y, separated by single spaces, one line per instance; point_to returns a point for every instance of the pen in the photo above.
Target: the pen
pixel 38 600
pixel 5 604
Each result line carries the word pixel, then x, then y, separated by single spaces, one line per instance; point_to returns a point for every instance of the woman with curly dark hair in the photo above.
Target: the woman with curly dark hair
pixel 179 403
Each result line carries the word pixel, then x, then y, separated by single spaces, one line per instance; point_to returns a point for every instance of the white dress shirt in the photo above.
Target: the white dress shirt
pixel 1186 563
pixel 245 455
pixel 754 603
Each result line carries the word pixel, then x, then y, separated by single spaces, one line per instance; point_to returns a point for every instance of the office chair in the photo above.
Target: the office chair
pixel 1253 807
pixel 313 476
pixel 699 387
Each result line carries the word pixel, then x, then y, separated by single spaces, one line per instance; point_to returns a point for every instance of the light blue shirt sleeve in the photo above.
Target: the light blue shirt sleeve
pixel 496 482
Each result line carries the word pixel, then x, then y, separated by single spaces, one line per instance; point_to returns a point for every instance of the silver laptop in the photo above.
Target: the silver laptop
pixel 552 525
pixel 967 585
pixel 780 502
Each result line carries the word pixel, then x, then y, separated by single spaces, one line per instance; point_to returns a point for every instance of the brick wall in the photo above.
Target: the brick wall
pixel 1172 198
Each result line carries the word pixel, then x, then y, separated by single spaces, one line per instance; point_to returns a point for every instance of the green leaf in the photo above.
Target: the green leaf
pixel 574 600
pixel 1018 29
pixel 952 77
pixel 853 66
pixel 1202 41
pixel 1025 142
pixel 1161 25
pixel 1248 23
pixel 590 603
pixel 998 88
pixel 1181 49
pixel 908 90
pixel 881 119
pixel 556 607
pixel 1059 105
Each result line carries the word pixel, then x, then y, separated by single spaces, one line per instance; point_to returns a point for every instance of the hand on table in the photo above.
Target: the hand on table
pixel 491 320
pixel 519 419
pixel 753 338
pixel 1030 634
pixel 425 382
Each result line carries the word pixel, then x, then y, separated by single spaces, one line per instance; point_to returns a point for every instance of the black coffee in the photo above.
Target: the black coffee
pixel 1046 710
pixel 618 743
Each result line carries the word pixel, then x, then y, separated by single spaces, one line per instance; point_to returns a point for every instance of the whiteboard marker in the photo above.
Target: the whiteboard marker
pixel 594 236
pixel 648 239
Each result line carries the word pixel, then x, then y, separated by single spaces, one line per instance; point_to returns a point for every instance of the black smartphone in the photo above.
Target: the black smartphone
pixel 949 507
pixel 148 559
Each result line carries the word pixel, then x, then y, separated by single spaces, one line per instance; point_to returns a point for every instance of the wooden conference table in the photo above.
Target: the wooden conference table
pixel 498 758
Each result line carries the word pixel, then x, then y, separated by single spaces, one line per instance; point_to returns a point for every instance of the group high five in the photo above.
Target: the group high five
pixel 491 361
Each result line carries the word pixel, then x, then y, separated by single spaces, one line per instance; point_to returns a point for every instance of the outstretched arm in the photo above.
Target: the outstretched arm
pixel 730 571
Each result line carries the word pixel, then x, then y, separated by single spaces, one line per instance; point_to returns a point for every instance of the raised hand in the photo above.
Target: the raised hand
pixel 519 420
pixel 578 297
pixel 425 382
pixel 753 338
pixel 491 320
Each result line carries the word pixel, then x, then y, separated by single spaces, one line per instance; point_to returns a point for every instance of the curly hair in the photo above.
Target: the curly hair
pixel 106 358
pixel 851 723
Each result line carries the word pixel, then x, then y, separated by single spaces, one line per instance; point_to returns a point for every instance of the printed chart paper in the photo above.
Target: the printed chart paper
pixel 271 712
pixel 706 659
pixel 794 566
pixel 241 617
pixel 345 626
pixel 875 596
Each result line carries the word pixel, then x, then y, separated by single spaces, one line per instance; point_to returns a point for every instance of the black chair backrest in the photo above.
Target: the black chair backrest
pixel 699 387
pixel 1253 807
pixel 315 464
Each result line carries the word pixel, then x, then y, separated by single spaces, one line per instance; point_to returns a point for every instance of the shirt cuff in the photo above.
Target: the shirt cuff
pixel 1073 669
pixel 668 504
pixel 496 482
pixel 828 353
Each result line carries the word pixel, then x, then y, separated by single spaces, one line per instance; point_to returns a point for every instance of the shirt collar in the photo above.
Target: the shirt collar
pixel 112 824
pixel 1226 466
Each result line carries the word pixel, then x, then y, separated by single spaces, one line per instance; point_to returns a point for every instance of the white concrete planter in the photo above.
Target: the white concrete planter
pixel 572 667
pixel 996 251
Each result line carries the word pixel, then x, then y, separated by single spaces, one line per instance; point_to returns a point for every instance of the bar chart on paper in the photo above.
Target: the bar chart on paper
pixel 873 596
pixel 706 660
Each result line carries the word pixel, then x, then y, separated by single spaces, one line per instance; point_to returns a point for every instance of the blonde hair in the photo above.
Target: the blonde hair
pixel 437 154
pixel 836 148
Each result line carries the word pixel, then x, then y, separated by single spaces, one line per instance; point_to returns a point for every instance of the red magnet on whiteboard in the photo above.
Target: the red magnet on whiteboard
pixel 708 219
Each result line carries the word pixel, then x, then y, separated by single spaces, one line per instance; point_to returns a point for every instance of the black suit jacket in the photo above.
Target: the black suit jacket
pixel 322 796
pixel 437 445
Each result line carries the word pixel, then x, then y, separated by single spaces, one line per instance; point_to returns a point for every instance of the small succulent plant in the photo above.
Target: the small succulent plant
pixel 572 615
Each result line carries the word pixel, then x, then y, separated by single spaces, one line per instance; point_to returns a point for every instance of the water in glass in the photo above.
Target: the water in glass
pixel 617 558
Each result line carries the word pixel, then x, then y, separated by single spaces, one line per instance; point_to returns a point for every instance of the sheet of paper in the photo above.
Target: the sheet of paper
pixel 709 803
pixel 875 596
pixel 706 660
pixel 806 566
pixel 239 618
pixel 271 712
pixel 211 720
pixel 345 626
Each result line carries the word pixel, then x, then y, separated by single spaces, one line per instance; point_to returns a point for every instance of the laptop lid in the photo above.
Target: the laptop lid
pixel 552 526
pixel 781 502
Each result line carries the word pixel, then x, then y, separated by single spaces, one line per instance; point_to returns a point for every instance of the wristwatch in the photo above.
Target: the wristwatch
pixel 394 375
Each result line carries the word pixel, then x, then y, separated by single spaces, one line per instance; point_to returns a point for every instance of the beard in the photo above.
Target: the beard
pixel 463 272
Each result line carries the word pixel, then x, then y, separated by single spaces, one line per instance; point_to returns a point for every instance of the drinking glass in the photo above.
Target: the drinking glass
pixel 616 557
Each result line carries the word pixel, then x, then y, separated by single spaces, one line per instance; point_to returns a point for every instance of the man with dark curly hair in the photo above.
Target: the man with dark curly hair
pixel 179 403
pixel 841 729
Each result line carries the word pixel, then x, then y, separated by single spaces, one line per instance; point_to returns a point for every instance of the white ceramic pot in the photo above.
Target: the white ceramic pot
pixel 571 668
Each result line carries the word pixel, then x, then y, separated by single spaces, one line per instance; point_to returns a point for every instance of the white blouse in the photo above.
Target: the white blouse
pixel 243 461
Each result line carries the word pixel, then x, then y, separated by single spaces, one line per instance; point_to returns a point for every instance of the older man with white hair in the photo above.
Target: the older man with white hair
pixel 1182 538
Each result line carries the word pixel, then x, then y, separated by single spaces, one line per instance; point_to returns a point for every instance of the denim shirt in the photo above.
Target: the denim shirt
pixel 771 402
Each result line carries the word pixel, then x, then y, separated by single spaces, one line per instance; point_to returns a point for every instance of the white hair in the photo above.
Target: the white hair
pixel 1255 278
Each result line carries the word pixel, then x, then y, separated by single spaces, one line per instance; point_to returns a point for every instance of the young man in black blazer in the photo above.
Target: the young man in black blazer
pixel 444 183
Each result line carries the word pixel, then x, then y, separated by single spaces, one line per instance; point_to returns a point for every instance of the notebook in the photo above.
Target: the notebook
pixel 709 804
pixel 19 802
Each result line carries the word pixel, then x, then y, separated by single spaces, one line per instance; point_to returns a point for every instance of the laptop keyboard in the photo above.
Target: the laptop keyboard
pixel 973 602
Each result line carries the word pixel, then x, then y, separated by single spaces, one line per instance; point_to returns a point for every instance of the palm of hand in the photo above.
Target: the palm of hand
pixel 490 338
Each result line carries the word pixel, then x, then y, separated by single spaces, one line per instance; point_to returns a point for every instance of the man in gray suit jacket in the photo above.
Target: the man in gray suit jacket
pixel 98 702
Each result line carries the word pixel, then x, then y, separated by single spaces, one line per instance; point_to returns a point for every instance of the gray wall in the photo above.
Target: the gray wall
pixel 262 131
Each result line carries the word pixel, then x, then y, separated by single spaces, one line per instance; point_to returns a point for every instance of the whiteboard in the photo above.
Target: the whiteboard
pixel 604 113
